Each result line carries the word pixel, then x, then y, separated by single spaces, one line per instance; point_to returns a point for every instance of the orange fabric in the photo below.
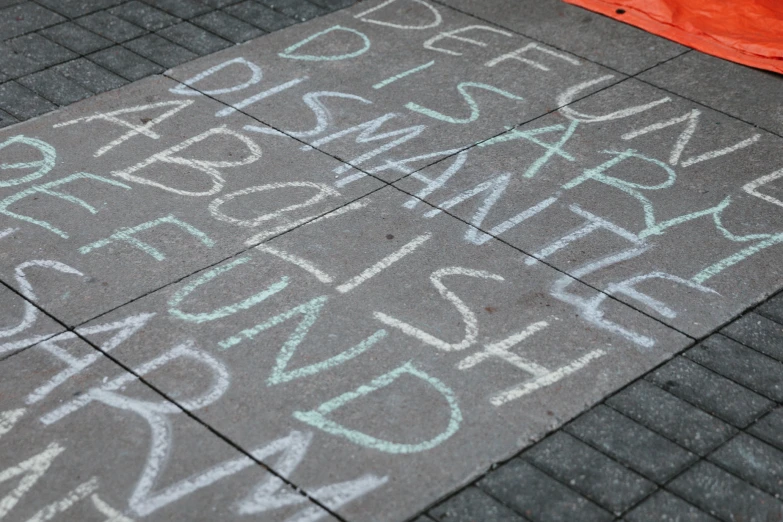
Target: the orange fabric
pixel 749 32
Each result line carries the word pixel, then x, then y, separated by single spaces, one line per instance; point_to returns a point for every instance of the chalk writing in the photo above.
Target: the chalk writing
pixel 541 253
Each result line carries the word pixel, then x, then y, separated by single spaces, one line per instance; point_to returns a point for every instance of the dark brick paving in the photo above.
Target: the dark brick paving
pixel 57 52
pixel 698 439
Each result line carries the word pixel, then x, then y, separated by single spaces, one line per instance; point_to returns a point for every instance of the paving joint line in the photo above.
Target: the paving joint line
pixel 721 111
pixel 468 147
pixel 635 75
pixel 232 256
pixel 520 33
pixel 302 491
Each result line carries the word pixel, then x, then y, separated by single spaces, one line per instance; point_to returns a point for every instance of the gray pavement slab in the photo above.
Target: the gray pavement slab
pixel 21 323
pixel 85 440
pixel 147 195
pixel 635 191
pixel 750 94
pixel 391 100
pixel 576 30
pixel 371 301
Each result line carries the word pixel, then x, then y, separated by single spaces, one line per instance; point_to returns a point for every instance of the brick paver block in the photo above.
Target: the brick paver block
pixel 590 472
pixel 631 443
pixel 111 27
pixel 194 38
pixel 334 5
pixel 125 63
pixel 76 38
pixel 228 27
pixel 181 8
pixel 21 102
pixel 55 87
pixel 217 4
pixel 664 507
pixel 25 18
pixel 758 332
pixel 674 418
pixel 90 76
pixel 76 8
pixel 260 16
pixel 711 392
pixel 144 15
pixel 770 428
pixel 40 50
pixel 538 496
pixel 159 50
pixel 14 65
pixel 472 504
pixel 748 367
pixel 6 119
pixel 773 308
pixel 301 10
pixel 726 496
pixel 753 460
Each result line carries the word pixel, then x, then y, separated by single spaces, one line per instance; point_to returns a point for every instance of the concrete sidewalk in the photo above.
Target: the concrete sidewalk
pixel 453 261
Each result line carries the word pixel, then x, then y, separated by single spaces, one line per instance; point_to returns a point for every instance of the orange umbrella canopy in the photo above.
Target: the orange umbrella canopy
pixel 749 32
